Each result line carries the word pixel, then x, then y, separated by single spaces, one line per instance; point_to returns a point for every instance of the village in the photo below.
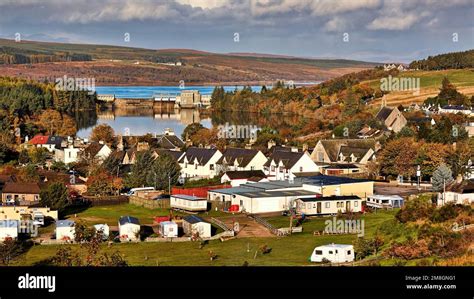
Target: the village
pixel 203 193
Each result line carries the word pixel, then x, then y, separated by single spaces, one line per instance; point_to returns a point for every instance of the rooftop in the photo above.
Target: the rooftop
pixel 193 219
pixel 187 197
pixel 65 223
pixel 128 219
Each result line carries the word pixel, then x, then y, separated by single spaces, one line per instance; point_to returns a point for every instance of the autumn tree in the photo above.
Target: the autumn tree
pixel 56 123
pixel 103 184
pixel 140 170
pixel 103 132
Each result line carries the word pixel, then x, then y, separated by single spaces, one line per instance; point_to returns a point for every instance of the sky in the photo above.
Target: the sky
pixel 369 30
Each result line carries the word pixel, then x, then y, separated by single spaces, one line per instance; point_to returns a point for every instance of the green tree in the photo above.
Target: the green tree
pixel 55 196
pixel 442 176
pixel 140 170
pixel 165 172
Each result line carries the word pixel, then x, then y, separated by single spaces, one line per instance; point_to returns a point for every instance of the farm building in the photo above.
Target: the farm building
pixel 384 201
pixel 194 225
pixel 328 205
pixel 8 229
pixel 335 253
pixel 129 228
pixel 65 230
pixel 188 203
pixel 104 229
pixel 168 229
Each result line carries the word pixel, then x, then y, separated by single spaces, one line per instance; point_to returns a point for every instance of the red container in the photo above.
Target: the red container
pixel 162 219
pixel 234 208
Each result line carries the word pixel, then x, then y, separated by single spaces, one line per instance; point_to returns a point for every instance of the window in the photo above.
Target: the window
pixel 196 166
pixel 301 168
pixel 348 252
pixel 185 165
pixel 320 157
pixel 356 203
pixel 252 167
pixel 330 252
pixel 328 205
pixel 211 167
pixel 318 252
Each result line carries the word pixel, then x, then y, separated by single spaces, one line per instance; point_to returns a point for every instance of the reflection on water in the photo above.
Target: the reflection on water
pixel 142 121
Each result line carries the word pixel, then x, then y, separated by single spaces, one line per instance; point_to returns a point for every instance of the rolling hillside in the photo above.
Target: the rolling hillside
pixel 430 82
pixel 114 65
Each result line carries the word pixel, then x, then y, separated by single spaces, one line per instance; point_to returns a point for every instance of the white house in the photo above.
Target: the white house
pixel 329 205
pixel 240 159
pixel 335 253
pixel 129 228
pixel 237 178
pixel 283 165
pixel 384 201
pixel 97 150
pixel 168 229
pixel 67 155
pixel 458 192
pixel 8 229
pixel 199 162
pixel 194 225
pixel 49 142
pixel 188 203
pixel 104 229
pixel 456 109
pixel 65 230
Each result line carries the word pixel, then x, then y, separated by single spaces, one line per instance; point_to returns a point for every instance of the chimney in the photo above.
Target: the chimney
pixel 294 149
pixel 271 144
pixel 305 147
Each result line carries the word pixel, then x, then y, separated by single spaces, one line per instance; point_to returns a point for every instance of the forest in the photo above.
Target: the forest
pixel 456 60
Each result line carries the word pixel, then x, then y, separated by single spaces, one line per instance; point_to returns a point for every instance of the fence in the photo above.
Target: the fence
pixel 198 191
pixel 103 200
pixel 149 203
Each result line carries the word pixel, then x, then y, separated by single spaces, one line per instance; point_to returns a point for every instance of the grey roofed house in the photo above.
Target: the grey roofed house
pixel 55 140
pixel 193 219
pixel 241 155
pixel 93 149
pixel 202 155
pixel 384 113
pixel 245 174
pixel 65 223
pixel 331 148
pixel 289 159
pixel 176 155
pixel 128 219
pixel 169 141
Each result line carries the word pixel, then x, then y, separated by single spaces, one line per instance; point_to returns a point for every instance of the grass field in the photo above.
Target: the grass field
pixel 430 82
pixel 286 251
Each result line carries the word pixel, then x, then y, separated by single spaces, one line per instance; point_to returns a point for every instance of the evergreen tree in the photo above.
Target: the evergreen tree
pixel 442 176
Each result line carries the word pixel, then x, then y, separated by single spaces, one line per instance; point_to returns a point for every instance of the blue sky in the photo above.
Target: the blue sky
pixel 377 30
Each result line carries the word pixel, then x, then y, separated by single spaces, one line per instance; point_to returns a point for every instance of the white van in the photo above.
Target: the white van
pixel 134 191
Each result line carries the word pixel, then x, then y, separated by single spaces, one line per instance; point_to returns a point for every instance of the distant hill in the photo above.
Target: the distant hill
pixel 115 65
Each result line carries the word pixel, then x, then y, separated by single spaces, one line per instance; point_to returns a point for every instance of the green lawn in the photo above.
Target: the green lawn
pixel 286 251
pixel 433 78
pixel 111 214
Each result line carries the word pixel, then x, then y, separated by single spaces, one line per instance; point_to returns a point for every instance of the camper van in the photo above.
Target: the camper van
pixel 334 253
